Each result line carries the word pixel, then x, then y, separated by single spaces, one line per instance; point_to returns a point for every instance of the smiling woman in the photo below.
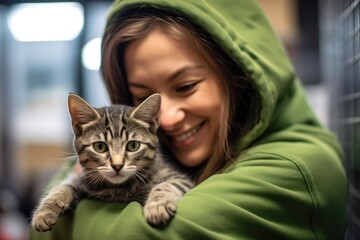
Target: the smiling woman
pixel 171 56
pixel 229 114
pixel 191 93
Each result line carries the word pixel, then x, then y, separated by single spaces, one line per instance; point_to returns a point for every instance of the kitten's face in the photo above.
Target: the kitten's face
pixel 116 151
pixel 114 143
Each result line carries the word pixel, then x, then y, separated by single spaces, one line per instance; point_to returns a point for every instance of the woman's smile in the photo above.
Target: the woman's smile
pixel 187 134
pixel 188 137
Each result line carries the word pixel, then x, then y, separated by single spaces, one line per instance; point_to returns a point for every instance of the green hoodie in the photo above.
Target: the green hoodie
pixel 290 184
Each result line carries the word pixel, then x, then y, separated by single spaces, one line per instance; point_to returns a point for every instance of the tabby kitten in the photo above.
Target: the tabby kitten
pixel 118 150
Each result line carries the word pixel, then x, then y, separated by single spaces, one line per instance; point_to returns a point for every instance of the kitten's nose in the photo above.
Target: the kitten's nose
pixel 117 167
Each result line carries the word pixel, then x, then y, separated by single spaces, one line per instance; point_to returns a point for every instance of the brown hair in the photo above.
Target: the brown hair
pixel 240 109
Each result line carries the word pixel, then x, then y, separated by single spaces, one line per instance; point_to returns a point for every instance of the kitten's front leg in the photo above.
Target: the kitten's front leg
pixel 160 206
pixel 59 200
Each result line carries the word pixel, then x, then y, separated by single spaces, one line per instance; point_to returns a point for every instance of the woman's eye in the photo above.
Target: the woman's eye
pixel 141 99
pixel 100 147
pixel 132 146
pixel 186 87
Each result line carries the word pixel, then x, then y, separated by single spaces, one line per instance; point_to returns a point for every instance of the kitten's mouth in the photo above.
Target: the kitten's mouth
pixel 116 177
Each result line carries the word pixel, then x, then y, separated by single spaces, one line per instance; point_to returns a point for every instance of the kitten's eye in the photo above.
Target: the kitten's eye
pixel 132 146
pixel 100 147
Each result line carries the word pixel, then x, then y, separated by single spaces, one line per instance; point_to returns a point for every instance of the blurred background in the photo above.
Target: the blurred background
pixel 48 49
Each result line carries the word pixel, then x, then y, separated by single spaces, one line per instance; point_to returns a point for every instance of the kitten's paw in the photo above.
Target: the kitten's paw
pixel 159 213
pixel 44 219
pixel 47 215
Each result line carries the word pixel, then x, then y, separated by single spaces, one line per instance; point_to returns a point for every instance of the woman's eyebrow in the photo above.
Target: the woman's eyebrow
pixel 183 70
pixel 137 85
pixel 171 77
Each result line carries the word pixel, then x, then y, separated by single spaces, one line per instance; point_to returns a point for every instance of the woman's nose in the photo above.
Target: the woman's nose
pixel 171 114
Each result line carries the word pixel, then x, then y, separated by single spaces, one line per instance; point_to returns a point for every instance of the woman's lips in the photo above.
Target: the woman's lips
pixel 187 134
pixel 186 138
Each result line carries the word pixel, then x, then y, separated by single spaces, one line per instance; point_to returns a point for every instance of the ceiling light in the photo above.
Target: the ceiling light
pixel 46 21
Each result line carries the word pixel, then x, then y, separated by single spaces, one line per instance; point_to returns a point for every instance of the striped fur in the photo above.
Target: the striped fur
pixel 118 150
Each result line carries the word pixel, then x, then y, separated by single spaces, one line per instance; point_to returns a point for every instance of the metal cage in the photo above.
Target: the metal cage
pixel 340 44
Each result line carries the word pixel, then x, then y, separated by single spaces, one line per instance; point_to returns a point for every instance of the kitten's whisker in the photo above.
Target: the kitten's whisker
pixel 148 172
pixel 99 180
pixel 69 153
pixel 89 177
pixel 96 179
pixel 139 179
pixel 142 178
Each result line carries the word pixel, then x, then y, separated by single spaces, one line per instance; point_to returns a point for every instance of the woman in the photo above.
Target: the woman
pixel 234 112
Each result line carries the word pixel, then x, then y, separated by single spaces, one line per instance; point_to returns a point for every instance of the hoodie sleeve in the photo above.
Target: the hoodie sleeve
pixel 265 195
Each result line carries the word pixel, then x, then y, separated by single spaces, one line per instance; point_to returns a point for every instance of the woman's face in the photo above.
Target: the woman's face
pixel 191 93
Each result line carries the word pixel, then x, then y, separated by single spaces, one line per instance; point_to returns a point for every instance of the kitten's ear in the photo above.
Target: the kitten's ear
pixel 148 112
pixel 80 112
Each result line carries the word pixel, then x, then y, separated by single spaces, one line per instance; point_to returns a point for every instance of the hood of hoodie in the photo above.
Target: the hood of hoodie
pixel 243 31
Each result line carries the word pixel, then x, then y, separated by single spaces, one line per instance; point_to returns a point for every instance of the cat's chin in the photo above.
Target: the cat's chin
pixel 116 178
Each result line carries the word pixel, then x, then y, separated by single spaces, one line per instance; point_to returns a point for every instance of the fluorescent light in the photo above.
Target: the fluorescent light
pixel 91 54
pixel 46 21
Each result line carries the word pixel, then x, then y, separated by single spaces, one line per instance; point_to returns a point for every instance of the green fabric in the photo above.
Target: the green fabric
pixel 290 184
